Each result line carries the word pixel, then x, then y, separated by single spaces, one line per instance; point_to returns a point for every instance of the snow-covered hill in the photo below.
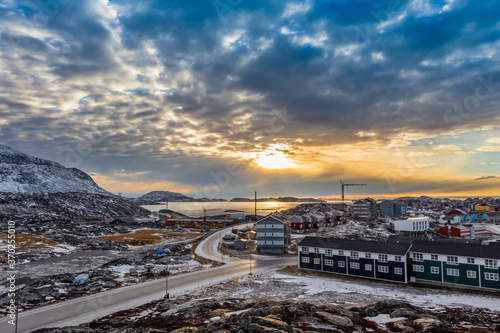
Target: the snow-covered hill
pixel 21 173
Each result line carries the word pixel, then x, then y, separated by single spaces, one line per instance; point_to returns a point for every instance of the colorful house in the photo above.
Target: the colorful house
pixel 468 264
pixel 297 224
pixel 405 259
pixel 308 226
pixel 375 260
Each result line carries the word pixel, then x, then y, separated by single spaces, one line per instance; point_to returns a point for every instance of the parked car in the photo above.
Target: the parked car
pixel 229 237
pixel 133 272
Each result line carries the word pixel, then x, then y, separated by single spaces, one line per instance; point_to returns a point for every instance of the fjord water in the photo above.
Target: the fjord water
pixel 195 209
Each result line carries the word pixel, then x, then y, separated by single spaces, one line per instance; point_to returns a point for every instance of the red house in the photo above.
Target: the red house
pixel 460 231
pixel 308 226
pixel 297 224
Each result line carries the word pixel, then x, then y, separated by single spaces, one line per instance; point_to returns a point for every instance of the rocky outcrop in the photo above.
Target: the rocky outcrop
pixel 212 316
pixel 71 206
pixel 334 319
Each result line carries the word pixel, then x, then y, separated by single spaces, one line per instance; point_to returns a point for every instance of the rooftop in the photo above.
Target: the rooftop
pixel 355 245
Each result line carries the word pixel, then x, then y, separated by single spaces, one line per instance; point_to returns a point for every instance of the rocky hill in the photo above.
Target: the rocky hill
pixel 71 206
pixel 312 208
pixel 33 188
pixel 21 173
pixel 156 197
pixel 163 196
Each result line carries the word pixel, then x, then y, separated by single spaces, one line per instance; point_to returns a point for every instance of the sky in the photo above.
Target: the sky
pixel 222 98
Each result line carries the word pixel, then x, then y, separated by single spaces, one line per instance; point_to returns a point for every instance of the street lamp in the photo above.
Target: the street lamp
pixel 250 264
pixel 166 281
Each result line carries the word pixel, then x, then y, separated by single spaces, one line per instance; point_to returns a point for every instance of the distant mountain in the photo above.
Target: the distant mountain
pixel 280 199
pixel 163 196
pixel 21 173
pixel 241 200
pixel 155 197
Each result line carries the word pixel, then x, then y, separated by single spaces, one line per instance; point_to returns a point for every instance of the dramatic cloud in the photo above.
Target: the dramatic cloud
pixel 485 177
pixel 298 94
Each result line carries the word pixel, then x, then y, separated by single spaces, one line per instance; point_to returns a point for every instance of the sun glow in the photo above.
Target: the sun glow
pixel 274 157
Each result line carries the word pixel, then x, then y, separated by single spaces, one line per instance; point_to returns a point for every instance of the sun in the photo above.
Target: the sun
pixel 274 157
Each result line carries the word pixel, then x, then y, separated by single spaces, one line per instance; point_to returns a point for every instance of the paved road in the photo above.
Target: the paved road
pixel 85 309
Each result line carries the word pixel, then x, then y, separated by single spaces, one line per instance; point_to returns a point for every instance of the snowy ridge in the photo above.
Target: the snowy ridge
pixel 21 173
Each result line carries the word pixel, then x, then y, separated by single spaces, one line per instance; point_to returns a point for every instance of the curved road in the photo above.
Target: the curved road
pixel 88 308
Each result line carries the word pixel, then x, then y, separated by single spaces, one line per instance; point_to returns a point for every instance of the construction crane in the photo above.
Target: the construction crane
pixel 346 184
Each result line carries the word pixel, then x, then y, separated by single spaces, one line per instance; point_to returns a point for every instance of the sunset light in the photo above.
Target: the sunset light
pixel 273 157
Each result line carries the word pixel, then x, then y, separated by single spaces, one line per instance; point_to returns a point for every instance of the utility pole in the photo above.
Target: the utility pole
pixel 255 205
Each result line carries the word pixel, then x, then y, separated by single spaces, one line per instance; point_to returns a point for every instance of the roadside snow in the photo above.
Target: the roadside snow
pixel 121 269
pixel 493 228
pixel 63 248
pixel 430 298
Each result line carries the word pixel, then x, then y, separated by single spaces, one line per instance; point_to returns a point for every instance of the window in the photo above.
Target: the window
pixel 452 260
pixel 397 258
pixel 317 261
pixel 354 265
pixel 418 268
pixel 491 276
pixel 398 271
pixel 382 257
pixel 341 263
pixel 354 255
pixel 368 255
pixel 328 262
pixel 471 261
pixel 341 253
pixel 435 270
pixel 305 260
pixel 471 274
pixel 329 252
pixel 368 267
pixel 418 257
pixel 490 263
pixel 383 269
pixel 305 250
pixel 452 272
pixel 316 250
pixel 434 257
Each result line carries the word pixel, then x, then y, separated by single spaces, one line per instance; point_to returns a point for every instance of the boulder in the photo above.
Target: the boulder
pixel 402 312
pixel 400 325
pixel 335 319
pixel 428 324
